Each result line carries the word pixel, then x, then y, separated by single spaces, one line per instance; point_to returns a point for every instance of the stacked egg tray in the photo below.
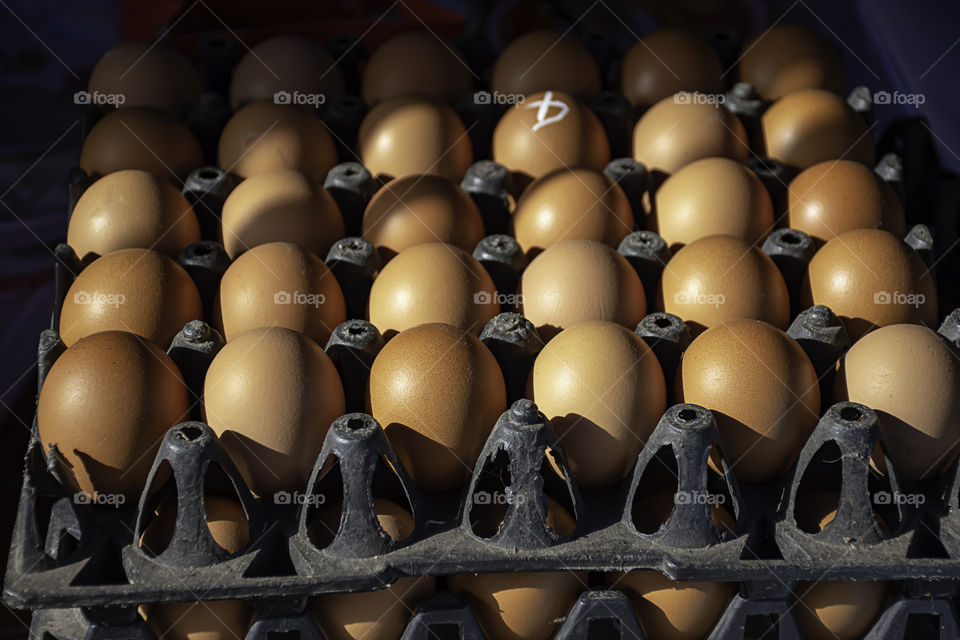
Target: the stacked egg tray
pixel 80 567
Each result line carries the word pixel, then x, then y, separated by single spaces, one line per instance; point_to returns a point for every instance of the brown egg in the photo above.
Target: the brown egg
pixel 547 131
pixel 668 61
pixel 225 518
pixel 871 278
pixel 279 284
pixel 394 520
pixel 815 509
pixel 131 209
pixel 281 206
pixel 271 394
pixel 140 138
pixel 888 370
pixel 813 125
pixel 837 196
pixel 432 282
pixel 788 58
pixel 571 203
pixel 289 63
pixel 838 610
pixel 713 196
pixel 106 403
pixel 673 610
pixel 264 137
pixel 486 519
pixel 437 442
pixel 578 280
pixel 416 62
pixel 411 134
pixel 653 508
pixel 720 278
pixel 135 290
pixel 418 209
pixel 603 391
pixel 146 74
pixel 686 127
pixel 544 60
pixel 762 390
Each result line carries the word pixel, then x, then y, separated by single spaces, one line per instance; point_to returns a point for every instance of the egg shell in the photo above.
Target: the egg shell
pixel 131 209
pixel 280 206
pixel 667 61
pixel 432 282
pixel 578 280
pixel 437 442
pixel 814 509
pixel 787 58
pixel 203 620
pixel 135 290
pixel 486 519
pixel 604 392
pixel 416 62
pixel 653 508
pixel 543 60
pixel 762 390
pixel 870 278
pixel 147 74
pixel 225 520
pixel 271 395
pixel 395 521
pixel 838 610
pixel 106 404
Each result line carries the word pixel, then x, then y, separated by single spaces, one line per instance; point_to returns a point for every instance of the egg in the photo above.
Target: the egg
pixel 713 196
pixel 418 209
pixel 487 519
pixel 106 403
pixel 543 60
pixel 813 125
pixel 549 130
pixel 432 282
pixel 652 508
pixel 131 209
pixel 836 196
pixel 416 62
pixel 437 442
pixel 888 370
pixel 270 395
pixel 869 278
pixel 720 278
pixel 788 58
pixel 604 392
pixel 686 127
pixel 225 519
pixel 141 138
pixel 571 203
pixel 290 63
pixel 411 134
pixel 838 610
pixel 264 137
pixel 762 390
pixel 147 74
pixel 578 280
pixel 667 61
pixel 135 290
pixel 279 284
pixel 280 206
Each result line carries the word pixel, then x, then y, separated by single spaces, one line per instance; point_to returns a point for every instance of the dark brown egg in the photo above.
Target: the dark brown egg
pixel 788 58
pixel 668 61
pixel 416 62
pixel 838 610
pixel 544 60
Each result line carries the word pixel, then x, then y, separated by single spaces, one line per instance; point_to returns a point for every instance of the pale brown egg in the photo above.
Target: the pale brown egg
pixel 571 203
pixel 838 610
pixel 131 209
pixel 788 58
pixel 762 390
pixel 487 519
pixel 263 137
pixel 421 208
pixel 871 278
pixel 271 395
pixel 411 134
pixel 416 62
pixel 141 138
pixel 813 125
pixel 604 392
pixel 286 63
pixel 106 404
pixel 544 60
pixel 686 127
pixel 653 508
pixel 135 290
pixel 578 280
pixel 432 282
pixel 225 520
pixel 720 278
pixel 280 206
pixel 437 442
pixel 713 196
pixel 837 196
pixel 145 74
pixel 280 284
pixel 668 61
pixel 911 378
